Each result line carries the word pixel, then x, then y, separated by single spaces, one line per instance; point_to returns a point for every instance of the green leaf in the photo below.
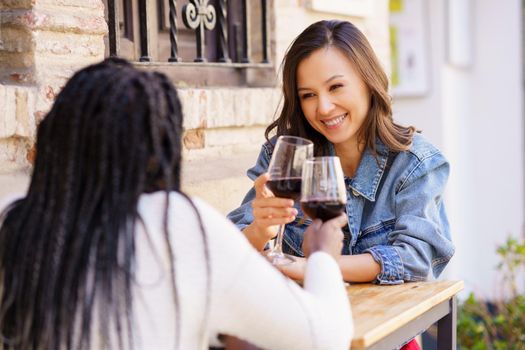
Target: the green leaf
pixel 503 325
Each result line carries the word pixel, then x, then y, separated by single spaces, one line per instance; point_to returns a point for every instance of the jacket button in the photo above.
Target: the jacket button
pixel 355 193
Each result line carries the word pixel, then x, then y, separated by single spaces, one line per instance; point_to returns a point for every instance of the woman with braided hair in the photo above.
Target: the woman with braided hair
pixel 106 252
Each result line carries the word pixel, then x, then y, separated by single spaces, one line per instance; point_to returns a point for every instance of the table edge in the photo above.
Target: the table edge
pixel 400 320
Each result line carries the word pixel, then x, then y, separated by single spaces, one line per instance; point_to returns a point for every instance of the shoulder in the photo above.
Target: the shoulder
pixel 187 212
pixel 180 206
pixel 207 211
pixel 421 153
pixel 421 148
pixel 268 146
pixel 216 223
pixel 194 206
pixel 421 159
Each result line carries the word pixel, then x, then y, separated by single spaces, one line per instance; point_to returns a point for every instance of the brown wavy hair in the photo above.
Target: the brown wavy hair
pixel 352 42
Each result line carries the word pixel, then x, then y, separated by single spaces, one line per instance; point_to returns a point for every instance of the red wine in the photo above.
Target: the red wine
pixel 286 188
pixel 323 209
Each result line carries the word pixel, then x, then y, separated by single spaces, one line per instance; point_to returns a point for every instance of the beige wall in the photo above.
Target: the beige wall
pixel 370 16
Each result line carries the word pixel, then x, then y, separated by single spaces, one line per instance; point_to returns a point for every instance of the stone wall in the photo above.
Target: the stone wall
pixel 224 133
pixel 42 43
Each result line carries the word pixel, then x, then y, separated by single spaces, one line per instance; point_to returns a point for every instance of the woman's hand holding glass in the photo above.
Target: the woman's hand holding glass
pixel 325 236
pixel 319 236
pixel 275 194
pixel 268 213
pixel 285 169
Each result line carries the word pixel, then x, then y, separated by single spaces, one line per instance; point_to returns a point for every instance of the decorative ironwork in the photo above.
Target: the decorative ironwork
pixel 173 32
pixel 228 21
pixel 223 31
pixel 198 14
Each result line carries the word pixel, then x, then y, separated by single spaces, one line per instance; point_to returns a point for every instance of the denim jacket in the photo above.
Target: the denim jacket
pixel 395 211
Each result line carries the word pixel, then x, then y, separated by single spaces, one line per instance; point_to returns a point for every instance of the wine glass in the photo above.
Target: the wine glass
pixel 285 170
pixel 323 194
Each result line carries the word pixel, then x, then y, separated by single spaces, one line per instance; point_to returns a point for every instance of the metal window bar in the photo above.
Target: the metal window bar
pixel 173 32
pixel 264 31
pixel 113 33
pixel 144 27
pixel 201 16
pixel 245 30
pixel 223 31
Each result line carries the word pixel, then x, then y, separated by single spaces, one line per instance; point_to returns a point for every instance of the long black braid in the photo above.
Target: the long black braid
pixel 67 250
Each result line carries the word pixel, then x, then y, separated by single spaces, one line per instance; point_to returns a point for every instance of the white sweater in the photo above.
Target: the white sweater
pixel 250 299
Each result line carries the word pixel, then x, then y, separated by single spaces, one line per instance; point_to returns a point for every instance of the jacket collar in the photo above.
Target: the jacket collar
pixel 369 172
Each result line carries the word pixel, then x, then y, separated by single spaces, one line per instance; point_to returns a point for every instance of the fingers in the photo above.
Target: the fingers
pixel 273 202
pixel 314 227
pixel 269 216
pixel 260 189
pixel 268 210
pixel 272 212
pixel 327 236
pixel 273 207
pixel 338 221
pixel 316 224
pixel 267 222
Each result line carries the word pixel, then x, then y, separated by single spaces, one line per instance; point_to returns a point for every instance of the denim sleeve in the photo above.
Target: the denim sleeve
pixel 421 240
pixel 243 216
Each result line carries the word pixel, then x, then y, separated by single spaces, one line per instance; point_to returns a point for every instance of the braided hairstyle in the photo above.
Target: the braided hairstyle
pixel 67 250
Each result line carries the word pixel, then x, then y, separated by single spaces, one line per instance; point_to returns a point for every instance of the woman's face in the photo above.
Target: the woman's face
pixel 334 98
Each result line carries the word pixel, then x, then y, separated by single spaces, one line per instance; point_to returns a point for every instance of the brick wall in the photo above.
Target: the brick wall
pixel 42 43
pixel 224 133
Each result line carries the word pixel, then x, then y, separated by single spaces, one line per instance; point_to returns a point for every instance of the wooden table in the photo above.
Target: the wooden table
pixel 387 316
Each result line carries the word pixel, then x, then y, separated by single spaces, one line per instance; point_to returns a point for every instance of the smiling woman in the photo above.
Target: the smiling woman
pixel 334 100
pixel 336 94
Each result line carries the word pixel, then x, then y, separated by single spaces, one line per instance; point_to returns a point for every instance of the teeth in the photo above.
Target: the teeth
pixel 335 121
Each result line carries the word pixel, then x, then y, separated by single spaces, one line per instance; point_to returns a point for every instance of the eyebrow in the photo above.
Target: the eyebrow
pixel 326 82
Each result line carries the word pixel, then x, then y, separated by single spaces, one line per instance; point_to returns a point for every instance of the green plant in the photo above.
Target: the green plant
pixel 497 325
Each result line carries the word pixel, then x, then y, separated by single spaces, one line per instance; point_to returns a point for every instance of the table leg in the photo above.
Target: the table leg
pixel 447 328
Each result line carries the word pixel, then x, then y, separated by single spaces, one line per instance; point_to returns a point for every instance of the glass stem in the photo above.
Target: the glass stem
pixel 278 248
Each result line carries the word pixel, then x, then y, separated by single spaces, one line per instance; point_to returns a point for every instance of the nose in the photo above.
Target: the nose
pixel 326 106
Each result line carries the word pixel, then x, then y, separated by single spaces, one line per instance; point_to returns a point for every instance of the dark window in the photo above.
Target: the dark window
pixel 248 59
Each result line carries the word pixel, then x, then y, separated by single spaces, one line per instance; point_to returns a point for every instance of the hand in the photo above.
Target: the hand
pixel 326 237
pixel 269 211
pixel 294 270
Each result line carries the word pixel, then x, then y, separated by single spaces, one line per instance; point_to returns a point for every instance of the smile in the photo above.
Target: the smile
pixel 335 121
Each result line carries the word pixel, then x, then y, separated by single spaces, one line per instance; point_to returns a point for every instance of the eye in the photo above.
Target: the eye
pixel 335 87
pixel 307 95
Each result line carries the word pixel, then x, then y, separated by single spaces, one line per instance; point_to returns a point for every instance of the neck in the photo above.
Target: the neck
pixel 350 155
